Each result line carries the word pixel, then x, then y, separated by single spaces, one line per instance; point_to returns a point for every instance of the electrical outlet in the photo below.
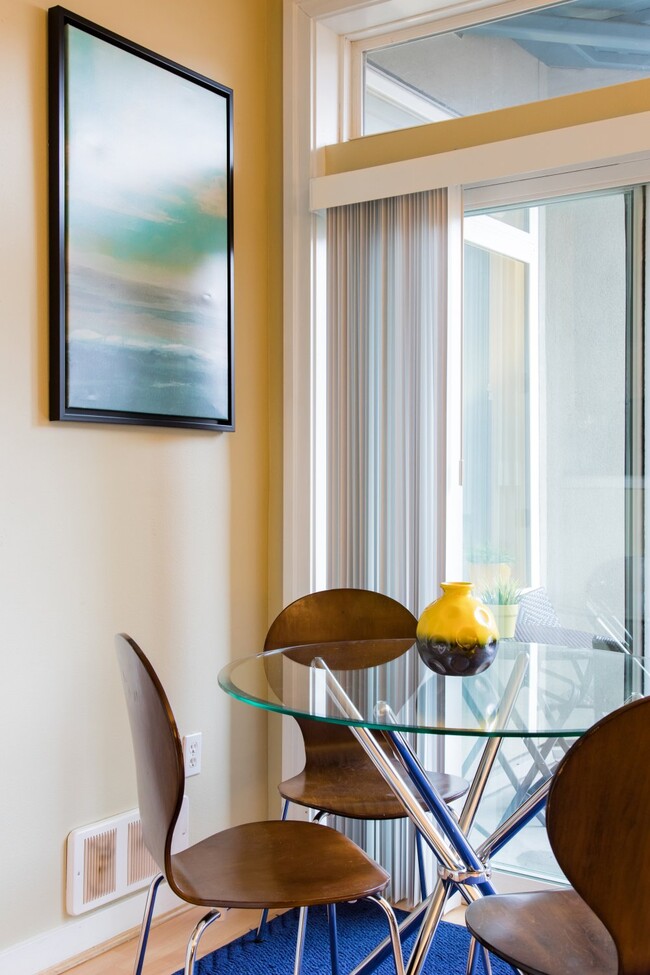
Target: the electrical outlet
pixel 192 753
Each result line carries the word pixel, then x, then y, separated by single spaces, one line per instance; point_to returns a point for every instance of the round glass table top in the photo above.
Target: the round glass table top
pixel 383 684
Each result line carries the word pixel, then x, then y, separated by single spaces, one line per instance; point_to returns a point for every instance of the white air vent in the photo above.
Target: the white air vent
pixel 109 859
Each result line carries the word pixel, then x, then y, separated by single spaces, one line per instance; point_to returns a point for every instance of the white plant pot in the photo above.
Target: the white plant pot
pixel 506 619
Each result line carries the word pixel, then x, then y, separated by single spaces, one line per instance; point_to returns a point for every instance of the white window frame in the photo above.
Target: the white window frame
pixel 447 18
pixel 520 245
pixel 416 108
pixel 318 35
pixel 317 40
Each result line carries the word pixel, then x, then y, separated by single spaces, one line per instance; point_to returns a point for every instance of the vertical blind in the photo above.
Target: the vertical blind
pixel 386 325
pixel 385 419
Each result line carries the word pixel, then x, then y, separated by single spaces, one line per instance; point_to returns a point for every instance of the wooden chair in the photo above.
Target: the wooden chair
pixel 597 822
pixel 362 793
pixel 338 777
pixel 267 864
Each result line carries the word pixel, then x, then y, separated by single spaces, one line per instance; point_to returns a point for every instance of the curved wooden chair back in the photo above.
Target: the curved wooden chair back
pixel 157 749
pixel 340 614
pixel 327 617
pixel 597 822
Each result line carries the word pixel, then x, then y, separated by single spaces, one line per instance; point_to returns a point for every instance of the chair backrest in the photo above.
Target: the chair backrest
pixel 597 822
pixel 157 749
pixel 339 614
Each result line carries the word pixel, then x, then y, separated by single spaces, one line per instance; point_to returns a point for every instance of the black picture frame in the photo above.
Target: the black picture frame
pixel 141 234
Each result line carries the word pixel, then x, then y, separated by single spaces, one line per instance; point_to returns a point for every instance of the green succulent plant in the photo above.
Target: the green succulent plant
pixel 503 592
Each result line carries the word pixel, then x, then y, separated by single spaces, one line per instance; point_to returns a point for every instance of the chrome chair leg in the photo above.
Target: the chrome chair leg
pixel 331 913
pixel 472 958
pixel 487 964
pixel 261 927
pixel 334 944
pixel 264 916
pixel 146 923
pixel 394 932
pixel 300 943
pixel 195 937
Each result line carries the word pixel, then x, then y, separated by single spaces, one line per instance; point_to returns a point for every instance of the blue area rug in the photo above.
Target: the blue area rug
pixel 361 926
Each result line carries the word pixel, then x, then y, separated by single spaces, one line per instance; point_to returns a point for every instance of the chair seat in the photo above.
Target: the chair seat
pixel 276 865
pixel 358 791
pixel 546 933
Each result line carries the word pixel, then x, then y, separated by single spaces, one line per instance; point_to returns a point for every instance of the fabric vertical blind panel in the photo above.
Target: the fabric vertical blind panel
pixel 386 389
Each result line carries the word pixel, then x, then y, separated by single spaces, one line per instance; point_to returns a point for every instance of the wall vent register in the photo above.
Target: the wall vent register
pixel 109 859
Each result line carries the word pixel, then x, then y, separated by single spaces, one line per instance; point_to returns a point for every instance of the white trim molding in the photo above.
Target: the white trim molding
pixel 298 120
pixel 52 949
pixel 581 146
pixel 367 18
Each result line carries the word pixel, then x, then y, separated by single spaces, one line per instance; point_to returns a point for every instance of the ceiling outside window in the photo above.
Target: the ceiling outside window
pixel 560 50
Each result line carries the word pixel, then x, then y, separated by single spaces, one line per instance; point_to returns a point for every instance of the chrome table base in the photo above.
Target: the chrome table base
pixel 461 866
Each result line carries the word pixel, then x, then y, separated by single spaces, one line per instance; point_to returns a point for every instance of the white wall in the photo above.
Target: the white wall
pixel 162 533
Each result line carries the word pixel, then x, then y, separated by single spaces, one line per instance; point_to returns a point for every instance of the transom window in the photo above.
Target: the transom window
pixel 559 50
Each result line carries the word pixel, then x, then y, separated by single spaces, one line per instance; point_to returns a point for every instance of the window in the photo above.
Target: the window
pixel 508 253
pixel 466 70
pixel 549 408
pixel 548 391
pixel 390 103
pixel 548 415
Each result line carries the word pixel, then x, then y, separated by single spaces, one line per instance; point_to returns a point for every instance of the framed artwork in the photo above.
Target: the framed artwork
pixel 141 241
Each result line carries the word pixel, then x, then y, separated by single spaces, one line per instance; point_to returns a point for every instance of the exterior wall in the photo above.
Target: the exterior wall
pixel 585 298
pixel 161 533
pixel 471 73
pixel 440 66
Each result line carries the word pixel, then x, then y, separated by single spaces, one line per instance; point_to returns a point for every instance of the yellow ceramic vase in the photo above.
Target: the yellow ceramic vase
pixel 457 634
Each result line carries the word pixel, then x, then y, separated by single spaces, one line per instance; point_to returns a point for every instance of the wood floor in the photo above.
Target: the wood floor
pixel 167 941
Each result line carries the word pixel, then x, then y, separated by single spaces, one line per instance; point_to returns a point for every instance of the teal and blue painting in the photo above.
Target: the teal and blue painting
pixel 147 249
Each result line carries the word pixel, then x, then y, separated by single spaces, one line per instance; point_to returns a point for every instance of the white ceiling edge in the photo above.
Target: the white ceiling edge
pixel 367 17
pixel 525 158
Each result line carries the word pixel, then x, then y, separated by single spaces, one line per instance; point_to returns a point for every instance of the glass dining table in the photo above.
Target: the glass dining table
pixel 384 692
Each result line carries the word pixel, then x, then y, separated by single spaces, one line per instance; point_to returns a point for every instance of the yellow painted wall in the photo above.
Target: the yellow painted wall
pixel 162 533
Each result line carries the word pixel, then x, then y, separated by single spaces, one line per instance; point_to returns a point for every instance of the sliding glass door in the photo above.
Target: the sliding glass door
pixel 550 407
pixel 549 382
pixel 553 455
pixel 499 449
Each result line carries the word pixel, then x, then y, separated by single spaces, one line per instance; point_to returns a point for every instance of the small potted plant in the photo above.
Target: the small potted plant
pixel 503 598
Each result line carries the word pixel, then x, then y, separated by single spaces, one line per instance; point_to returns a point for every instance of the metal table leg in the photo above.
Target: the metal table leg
pixel 460 865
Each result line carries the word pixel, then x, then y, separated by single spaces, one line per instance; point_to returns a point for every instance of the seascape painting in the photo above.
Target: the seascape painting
pixel 147 262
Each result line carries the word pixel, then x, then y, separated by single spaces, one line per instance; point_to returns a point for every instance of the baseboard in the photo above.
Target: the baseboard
pixel 50 952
